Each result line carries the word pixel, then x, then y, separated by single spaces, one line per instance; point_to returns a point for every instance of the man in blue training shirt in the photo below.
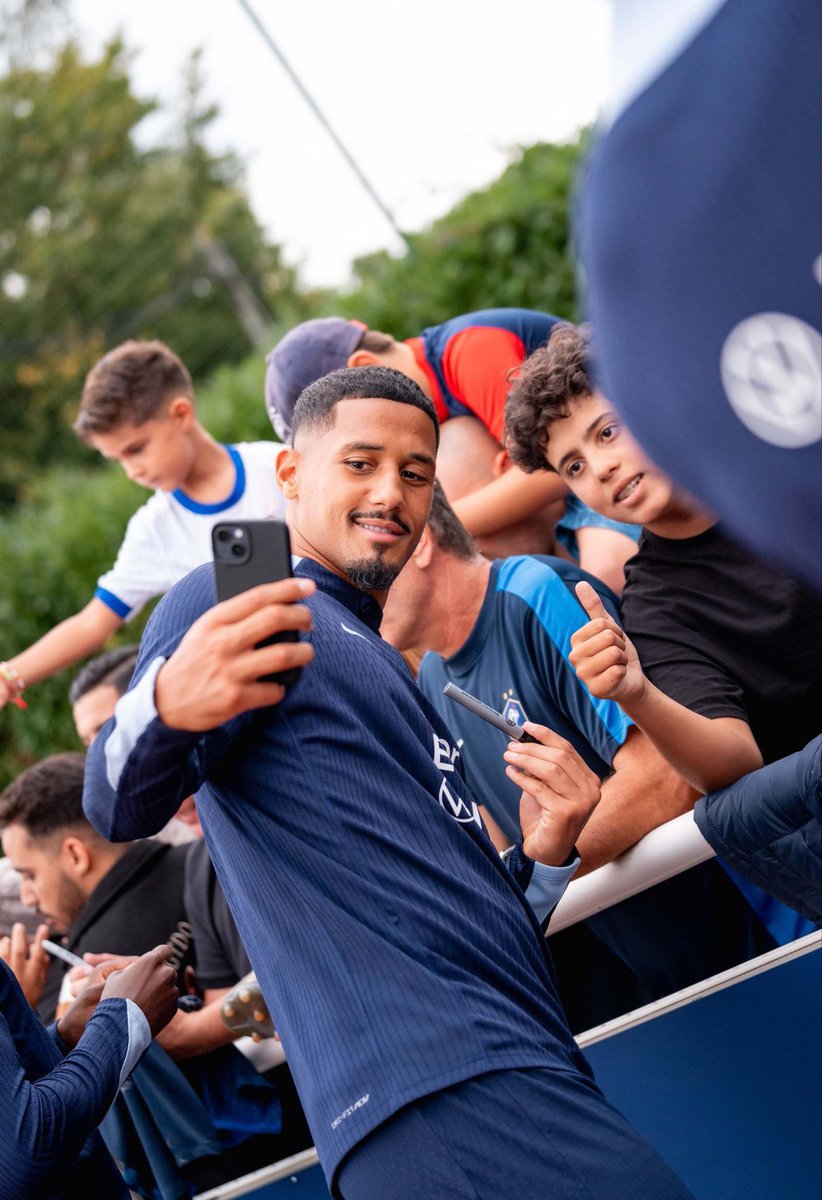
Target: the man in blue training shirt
pixel 401 960
pixel 59 1083
pixel 502 631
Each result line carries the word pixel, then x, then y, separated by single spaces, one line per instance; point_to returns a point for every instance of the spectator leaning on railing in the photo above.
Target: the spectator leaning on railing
pixel 720 658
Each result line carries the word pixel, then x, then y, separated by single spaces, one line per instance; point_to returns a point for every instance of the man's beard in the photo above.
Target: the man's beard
pixel 372 574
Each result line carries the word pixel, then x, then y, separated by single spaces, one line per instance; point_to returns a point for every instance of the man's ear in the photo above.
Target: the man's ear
pixel 76 857
pixel 287 471
pixel 502 463
pixel 363 358
pixel 424 551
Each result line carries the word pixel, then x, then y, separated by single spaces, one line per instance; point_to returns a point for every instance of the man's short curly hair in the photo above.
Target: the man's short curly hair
pixel 548 382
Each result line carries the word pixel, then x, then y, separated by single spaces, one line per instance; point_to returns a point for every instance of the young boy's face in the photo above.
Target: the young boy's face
pixel 592 451
pixel 156 454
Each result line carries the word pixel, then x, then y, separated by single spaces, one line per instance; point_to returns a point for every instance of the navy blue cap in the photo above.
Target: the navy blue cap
pixel 306 353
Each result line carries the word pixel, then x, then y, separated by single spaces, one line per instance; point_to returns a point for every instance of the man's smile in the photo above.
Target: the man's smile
pixel 386 530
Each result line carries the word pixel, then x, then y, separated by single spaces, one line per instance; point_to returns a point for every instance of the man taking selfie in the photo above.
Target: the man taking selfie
pixel 404 966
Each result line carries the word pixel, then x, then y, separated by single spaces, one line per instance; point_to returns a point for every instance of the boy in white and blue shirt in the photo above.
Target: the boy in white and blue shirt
pixel 138 409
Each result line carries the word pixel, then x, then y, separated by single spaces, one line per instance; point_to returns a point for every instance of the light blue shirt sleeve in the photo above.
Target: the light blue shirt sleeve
pixel 547 887
pixel 139 1039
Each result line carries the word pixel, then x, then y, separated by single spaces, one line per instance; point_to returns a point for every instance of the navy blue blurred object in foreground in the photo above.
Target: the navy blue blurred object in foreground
pixel 700 239
pixel 768 825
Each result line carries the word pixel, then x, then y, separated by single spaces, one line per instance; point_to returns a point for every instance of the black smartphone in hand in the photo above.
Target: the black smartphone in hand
pixel 247 554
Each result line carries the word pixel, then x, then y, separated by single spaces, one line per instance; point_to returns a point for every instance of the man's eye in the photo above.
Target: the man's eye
pixel 573 468
pixel 415 476
pixel 356 464
pixel 609 432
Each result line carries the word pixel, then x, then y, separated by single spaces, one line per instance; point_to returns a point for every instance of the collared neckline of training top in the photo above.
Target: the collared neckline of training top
pixel 397 953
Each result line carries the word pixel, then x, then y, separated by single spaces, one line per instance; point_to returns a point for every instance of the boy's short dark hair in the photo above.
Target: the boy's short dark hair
pixel 449 532
pixel 47 797
pixel 315 407
pixel 542 392
pixel 112 669
pixel 129 385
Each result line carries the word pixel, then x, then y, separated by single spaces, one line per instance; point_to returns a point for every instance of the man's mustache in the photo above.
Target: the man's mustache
pixel 382 516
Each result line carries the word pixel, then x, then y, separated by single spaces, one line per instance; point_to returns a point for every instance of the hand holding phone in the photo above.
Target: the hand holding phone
pixel 486 712
pixel 214 674
pixel 247 554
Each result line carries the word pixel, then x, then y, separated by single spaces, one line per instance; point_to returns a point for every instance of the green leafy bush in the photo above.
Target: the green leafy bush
pixel 52 550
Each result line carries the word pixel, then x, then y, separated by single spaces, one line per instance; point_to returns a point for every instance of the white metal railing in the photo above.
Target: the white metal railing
pixel 272 1174
pixel 662 853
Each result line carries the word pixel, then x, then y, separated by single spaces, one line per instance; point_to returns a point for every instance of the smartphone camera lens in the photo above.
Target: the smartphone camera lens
pixel 222 535
pixel 236 550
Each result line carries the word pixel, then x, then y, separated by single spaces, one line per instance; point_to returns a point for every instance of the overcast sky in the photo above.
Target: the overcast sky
pixel 429 97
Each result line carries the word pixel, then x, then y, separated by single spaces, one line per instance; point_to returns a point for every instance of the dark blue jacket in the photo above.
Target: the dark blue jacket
pixel 769 826
pixel 52 1105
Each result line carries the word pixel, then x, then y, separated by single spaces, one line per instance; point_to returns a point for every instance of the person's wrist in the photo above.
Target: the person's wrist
pixel 13 684
pixel 167 709
pixel 67 1030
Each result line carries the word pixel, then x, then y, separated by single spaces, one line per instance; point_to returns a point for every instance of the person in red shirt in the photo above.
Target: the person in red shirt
pixel 464 366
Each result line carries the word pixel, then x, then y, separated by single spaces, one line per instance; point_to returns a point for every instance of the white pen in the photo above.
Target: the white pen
pixel 57 951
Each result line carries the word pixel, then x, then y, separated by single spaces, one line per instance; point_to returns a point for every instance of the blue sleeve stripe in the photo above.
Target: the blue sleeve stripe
pixel 560 615
pixel 116 605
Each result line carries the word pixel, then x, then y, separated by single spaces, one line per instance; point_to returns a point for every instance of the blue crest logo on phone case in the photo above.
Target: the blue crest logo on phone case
pixel 512 710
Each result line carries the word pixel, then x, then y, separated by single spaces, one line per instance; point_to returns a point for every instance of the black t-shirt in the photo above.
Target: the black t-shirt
pixel 727 636
pixel 221 956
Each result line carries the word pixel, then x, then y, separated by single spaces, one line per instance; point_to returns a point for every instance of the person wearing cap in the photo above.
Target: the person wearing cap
pixel 464 366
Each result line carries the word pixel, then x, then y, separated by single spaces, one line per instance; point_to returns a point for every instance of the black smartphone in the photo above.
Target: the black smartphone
pixel 489 714
pixel 246 554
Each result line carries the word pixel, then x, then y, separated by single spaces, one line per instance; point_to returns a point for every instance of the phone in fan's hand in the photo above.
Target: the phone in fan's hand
pixel 480 709
pixel 247 554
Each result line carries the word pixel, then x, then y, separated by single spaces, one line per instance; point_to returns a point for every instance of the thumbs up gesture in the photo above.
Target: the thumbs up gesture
pixel 602 656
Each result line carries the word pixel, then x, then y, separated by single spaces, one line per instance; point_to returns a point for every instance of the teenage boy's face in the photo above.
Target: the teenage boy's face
pixel 360 491
pixel 156 454
pixel 592 451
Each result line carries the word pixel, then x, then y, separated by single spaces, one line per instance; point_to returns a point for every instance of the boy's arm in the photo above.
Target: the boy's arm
pixel 710 752
pixel 66 643
pixel 644 792
pixel 196 679
pixel 512 497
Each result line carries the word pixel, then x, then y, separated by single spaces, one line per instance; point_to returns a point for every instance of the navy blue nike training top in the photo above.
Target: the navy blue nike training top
pixel 397 953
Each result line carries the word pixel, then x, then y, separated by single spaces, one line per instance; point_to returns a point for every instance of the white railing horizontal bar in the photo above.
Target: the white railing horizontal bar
pixel 662 853
pixel 706 987
pixel 257 1179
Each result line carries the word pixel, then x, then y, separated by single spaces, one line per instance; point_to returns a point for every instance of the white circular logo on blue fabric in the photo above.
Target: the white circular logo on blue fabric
pixel 771 367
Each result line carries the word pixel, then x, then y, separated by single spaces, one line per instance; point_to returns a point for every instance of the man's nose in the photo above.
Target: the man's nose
pixel 386 489
pixel 28 894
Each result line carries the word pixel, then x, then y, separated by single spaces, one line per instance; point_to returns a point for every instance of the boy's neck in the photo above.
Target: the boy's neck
pixel 682 519
pixel 212 473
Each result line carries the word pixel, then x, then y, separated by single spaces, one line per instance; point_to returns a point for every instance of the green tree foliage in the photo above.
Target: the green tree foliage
pixel 507 245
pixel 102 239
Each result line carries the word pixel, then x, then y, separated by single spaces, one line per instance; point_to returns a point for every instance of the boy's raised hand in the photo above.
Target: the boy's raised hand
pixel 559 793
pixel 603 656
